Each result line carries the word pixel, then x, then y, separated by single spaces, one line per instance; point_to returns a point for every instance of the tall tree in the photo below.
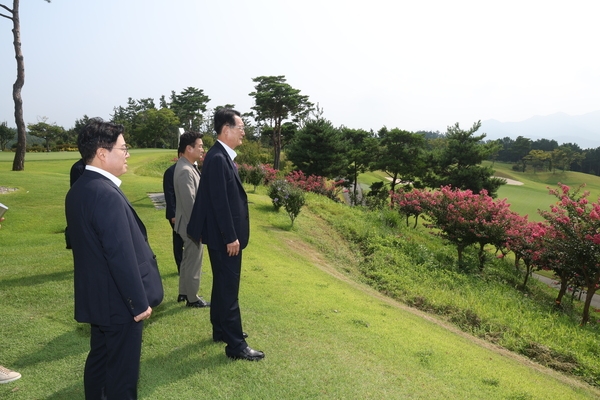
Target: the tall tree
pixel 275 101
pixel 19 160
pixel 520 148
pixel 459 164
pixel 362 149
pixel 188 107
pixel 155 128
pixel 128 116
pixel 401 155
pixel 567 154
pixel 319 149
pixel 46 131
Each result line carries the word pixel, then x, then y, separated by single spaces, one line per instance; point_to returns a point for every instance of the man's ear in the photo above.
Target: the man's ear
pixel 101 153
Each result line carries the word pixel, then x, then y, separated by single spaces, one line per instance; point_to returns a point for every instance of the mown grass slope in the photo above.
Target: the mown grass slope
pixel 304 302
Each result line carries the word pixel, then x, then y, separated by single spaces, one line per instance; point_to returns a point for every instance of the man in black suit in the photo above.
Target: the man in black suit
pixel 116 276
pixel 170 201
pixel 77 170
pixel 220 219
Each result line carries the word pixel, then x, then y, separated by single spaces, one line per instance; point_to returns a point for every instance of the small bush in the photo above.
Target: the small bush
pixel 285 195
pixel 277 190
pixel 256 176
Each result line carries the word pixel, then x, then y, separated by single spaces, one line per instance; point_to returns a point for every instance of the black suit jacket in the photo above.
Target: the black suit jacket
pixel 169 191
pixel 116 274
pixel 76 171
pixel 220 215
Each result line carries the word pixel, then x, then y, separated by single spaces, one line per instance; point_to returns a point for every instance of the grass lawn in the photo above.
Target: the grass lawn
pixel 325 335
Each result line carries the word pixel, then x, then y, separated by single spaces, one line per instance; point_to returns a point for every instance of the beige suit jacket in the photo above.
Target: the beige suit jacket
pixel 185 182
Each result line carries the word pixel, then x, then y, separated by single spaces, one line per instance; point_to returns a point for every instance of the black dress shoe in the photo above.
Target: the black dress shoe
pixel 247 354
pixel 218 339
pixel 198 304
pixel 181 297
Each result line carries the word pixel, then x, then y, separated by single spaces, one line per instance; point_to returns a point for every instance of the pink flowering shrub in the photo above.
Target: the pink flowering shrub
pixel 270 173
pixel 411 203
pixel 577 225
pixel 315 184
pixel 464 218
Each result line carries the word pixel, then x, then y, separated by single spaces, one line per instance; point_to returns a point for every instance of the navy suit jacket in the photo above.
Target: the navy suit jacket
pixel 220 215
pixel 169 191
pixel 116 274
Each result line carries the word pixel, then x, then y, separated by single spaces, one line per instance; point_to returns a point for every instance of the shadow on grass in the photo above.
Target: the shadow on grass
pixel 141 203
pixel 278 226
pixel 68 344
pixel 72 392
pixel 179 364
pixel 171 307
pixel 33 280
pixel 266 208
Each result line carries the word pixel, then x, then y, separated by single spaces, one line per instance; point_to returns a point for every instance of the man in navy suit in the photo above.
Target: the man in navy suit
pixel 220 219
pixel 116 276
pixel 170 201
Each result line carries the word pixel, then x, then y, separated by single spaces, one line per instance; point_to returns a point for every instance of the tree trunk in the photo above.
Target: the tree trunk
pixel 528 271
pixel 592 284
pixel 19 160
pixel 459 248
pixel 564 284
pixel 481 256
pixel 354 198
pixel 277 146
pixel 586 307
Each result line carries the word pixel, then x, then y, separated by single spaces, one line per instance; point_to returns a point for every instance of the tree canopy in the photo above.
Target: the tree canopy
pixel 276 101
pixel 401 155
pixel 458 164
pixel 319 149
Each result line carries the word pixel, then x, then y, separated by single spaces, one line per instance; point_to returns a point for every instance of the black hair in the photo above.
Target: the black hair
pixel 225 116
pixel 188 139
pixel 96 134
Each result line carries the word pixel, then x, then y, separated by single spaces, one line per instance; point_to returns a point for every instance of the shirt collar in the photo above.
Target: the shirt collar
pixel 232 154
pixel 107 174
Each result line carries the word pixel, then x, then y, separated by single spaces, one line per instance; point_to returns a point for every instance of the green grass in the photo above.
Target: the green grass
pixel 533 194
pixel 326 335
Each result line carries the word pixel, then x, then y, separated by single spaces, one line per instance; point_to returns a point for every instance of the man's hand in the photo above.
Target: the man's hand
pixel 145 315
pixel 233 249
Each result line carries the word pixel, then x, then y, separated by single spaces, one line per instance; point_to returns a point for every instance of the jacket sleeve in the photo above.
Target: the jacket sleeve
pixel 123 245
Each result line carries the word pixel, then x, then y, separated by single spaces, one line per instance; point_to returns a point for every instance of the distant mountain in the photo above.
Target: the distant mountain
pixel 584 130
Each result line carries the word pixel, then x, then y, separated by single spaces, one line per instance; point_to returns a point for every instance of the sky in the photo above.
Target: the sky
pixel 413 65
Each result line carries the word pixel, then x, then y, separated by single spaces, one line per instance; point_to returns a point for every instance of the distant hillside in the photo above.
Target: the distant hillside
pixel 583 130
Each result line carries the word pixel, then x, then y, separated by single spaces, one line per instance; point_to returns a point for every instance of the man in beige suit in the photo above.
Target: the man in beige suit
pixel 186 180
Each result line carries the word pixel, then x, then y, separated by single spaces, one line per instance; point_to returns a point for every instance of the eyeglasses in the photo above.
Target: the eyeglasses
pixel 124 148
pixel 241 127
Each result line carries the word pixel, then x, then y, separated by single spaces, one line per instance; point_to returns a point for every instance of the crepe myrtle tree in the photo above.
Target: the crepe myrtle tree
pixel 465 218
pixel 578 223
pixel 531 243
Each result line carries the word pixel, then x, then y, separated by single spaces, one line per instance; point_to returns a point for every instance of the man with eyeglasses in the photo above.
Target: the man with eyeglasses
pixel 220 219
pixel 117 282
pixel 185 181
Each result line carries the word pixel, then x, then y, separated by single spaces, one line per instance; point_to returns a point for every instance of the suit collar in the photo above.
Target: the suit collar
pixel 107 174
pixel 223 147
pixel 230 152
